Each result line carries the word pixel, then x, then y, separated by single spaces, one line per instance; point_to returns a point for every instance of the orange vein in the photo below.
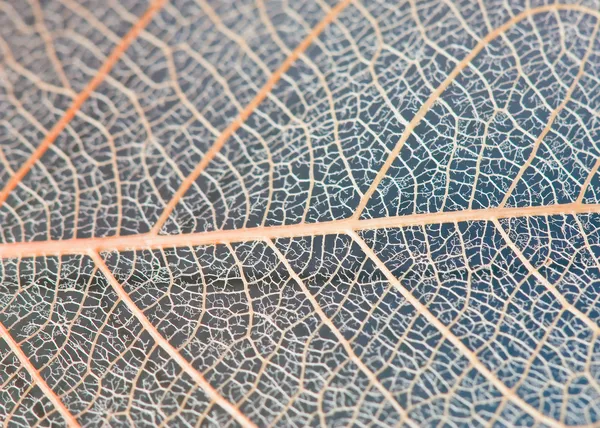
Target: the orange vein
pixel 148 241
pixel 544 281
pixel 372 376
pixel 588 181
pixel 37 378
pixel 451 337
pixel 211 392
pixel 246 112
pixel 416 120
pixel 538 141
pixel 99 77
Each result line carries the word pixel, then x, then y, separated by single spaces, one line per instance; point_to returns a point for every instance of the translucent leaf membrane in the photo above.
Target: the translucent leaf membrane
pixel 565 251
pixel 23 404
pixel 313 147
pixel 474 283
pixel 504 131
pixel 253 328
pixel 307 213
pixel 49 52
pixel 157 113
pixel 316 336
pixel 350 99
pixel 92 351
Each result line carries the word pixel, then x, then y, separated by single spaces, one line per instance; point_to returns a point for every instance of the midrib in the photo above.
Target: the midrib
pixel 154 241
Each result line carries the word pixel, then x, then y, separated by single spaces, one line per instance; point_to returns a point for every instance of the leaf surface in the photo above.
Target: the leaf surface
pixel 269 213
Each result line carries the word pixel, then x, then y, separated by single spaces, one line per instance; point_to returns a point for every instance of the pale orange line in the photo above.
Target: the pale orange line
pixel 80 99
pixel 452 338
pixel 148 241
pixel 446 83
pixel 541 278
pixel 244 114
pixel 211 392
pixel 538 141
pixel 372 376
pixel 37 378
pixel 588 181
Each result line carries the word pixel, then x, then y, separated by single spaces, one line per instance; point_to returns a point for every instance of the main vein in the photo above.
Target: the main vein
pixel 92 246
pixel 150 241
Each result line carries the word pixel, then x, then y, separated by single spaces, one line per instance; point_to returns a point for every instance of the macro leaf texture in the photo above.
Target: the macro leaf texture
pixel 299 213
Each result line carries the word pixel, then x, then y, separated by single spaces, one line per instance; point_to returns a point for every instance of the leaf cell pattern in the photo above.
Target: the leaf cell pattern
pixel 308 213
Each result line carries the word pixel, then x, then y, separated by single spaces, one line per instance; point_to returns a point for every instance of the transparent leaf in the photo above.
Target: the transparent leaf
pixel 307 213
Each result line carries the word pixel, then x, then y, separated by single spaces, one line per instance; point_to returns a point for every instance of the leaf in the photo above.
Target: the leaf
pixel 258 213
